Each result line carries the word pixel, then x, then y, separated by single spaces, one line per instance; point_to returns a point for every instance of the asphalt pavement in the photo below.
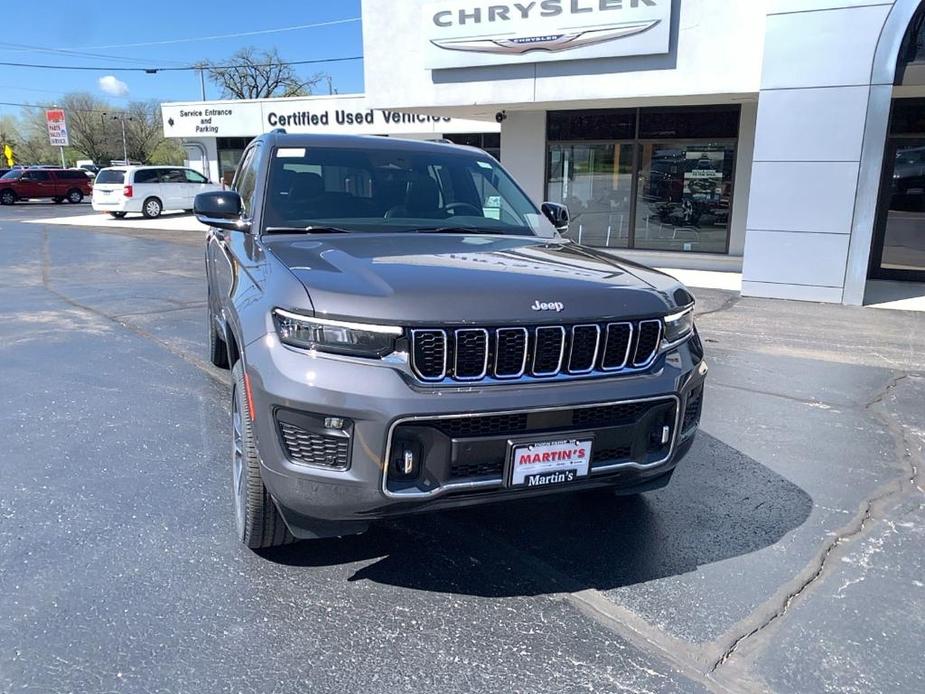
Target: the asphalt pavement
pixel 785 556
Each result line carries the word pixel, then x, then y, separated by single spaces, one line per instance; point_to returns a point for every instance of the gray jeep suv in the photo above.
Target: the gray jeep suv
pixel 408 332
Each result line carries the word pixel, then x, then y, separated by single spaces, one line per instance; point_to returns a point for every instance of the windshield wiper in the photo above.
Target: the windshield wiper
pixel 457 230
pixel 307 230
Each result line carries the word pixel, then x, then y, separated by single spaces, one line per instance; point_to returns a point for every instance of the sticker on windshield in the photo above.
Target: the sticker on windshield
pixel 298 152
pixel 485 164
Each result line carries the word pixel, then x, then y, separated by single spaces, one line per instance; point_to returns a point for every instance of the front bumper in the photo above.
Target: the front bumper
pixel 380 402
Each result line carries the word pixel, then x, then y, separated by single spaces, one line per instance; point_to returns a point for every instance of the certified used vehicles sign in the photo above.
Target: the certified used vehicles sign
pixel 464 34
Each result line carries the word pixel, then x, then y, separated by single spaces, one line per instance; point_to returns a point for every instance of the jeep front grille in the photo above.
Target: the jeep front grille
pixel 546 351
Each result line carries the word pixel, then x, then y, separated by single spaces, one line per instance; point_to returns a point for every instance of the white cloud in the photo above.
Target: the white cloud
pixel 113 86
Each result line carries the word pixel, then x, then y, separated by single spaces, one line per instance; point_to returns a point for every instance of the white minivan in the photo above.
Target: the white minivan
pixel 149 190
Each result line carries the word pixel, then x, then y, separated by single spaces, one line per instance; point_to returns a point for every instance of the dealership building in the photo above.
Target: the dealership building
pixel 215 133
pixel 784 139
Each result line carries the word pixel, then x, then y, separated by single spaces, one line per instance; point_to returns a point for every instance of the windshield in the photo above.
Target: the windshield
pixel 110 176
pixel 15 173
pixel 397 190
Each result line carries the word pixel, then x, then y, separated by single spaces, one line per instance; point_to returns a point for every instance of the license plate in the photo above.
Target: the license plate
pixel 550 462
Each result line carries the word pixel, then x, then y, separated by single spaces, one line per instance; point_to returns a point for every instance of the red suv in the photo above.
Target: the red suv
pixel 58 184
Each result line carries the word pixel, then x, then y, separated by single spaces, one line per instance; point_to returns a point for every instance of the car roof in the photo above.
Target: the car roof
pixel 372 142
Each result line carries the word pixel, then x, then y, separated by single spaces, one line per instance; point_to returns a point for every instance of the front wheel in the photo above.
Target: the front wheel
pixel 74 196
pixel 152 208
pixel 7 197
pixel 257 521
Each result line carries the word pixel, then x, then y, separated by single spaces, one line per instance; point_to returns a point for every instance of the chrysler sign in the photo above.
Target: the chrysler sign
pixel 466 34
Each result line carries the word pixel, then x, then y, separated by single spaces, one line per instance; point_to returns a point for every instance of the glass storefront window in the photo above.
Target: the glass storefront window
pixel 684 197
pixel 595 181
pixel 903 251
pixel 649 178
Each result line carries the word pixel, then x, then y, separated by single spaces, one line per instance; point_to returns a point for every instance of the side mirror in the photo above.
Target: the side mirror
pixel 557 214
pixel 221 209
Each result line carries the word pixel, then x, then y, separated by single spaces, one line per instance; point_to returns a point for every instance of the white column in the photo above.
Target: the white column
pixel 811 118
pixel 523 151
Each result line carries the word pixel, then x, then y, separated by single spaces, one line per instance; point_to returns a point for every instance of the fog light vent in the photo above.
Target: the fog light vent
pixel 311 448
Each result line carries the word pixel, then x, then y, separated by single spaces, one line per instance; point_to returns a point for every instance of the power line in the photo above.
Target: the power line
pixel 215 37
pixel 28 48
pixel 48 91
pixel 185 68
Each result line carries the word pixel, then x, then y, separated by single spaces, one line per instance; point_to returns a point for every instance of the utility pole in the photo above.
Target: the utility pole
pixel 202 83
pixel 121 118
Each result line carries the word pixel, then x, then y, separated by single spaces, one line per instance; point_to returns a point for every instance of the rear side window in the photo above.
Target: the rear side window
pixel 174 176
pixel 72 174
pixel 110 176
pixel 194 176
pixel 148 175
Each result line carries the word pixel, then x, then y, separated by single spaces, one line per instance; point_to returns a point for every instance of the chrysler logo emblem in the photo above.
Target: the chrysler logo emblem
pixel 553 42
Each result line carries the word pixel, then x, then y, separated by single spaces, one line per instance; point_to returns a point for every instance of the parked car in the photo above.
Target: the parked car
pixel 149 190
pixel 58 184
pixel 407 331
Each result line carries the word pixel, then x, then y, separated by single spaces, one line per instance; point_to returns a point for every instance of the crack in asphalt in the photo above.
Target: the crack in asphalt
pixel 893 491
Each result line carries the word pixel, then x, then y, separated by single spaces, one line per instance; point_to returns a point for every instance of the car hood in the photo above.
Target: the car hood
pixel 426 279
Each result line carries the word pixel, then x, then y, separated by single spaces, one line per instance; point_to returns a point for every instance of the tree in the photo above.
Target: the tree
pixel 144 129
pixel 91 128
pixel 259 75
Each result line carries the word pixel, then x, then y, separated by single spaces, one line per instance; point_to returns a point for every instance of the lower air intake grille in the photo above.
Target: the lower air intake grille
pixel 310 448
pixel 692 410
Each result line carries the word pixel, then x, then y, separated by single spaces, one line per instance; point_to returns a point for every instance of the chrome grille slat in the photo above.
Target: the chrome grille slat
pixel 468 354
pixel 648 342
pixel 614 338
pixel 507 349
pixel 544 349
pixel 580 335
pixel 429 354
pixel 471 344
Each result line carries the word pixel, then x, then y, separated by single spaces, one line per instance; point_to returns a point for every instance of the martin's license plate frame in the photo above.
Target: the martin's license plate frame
pixel 538 463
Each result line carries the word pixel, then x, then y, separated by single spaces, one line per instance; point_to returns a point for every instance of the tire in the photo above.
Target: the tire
pixel 152 208
pixel 74 196
pixel 118 215
pixel 218 350
pixel 7 197
pixel 258 523
pixel 57 201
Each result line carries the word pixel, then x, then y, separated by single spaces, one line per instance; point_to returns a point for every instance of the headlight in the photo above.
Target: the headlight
pixel 679 326
pixel 339 337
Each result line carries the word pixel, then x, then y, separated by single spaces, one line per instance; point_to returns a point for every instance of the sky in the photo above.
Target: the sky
pixel 105 29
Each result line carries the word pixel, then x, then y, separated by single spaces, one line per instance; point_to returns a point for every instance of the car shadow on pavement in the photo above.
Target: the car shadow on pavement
pixel 720 504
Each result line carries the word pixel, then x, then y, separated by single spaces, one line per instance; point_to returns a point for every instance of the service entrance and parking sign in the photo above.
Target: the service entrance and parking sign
pixel 56 121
